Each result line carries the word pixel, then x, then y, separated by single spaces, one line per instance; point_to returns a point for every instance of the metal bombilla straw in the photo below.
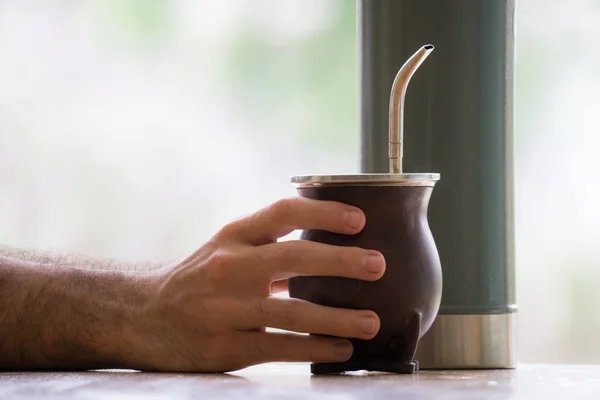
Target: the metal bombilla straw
pixel 396 128
pixel 395 177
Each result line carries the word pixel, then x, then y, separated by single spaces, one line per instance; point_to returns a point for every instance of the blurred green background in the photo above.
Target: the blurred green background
pixel 135 129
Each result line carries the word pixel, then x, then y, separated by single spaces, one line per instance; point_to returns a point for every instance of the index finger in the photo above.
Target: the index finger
pixel 287 215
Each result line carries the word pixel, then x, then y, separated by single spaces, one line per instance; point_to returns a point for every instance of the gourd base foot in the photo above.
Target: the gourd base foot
pixel 373 364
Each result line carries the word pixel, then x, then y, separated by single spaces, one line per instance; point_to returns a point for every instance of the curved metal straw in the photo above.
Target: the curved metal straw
pixel 396 147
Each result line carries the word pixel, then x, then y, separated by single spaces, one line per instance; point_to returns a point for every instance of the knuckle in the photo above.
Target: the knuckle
pixel 227 230
pixel 260 308
pixel 341 257
pixel 225 258
pixel 223 263
pixel 289 317
pixel 232 229
pixel 284 207
pixel 284 317
pixel 288 253
pixel 344 259
pixel 222 309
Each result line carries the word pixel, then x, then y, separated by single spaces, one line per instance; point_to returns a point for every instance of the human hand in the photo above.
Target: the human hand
pixel 208 313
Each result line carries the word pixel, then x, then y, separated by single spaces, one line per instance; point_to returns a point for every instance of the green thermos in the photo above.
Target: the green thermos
pixel 458 122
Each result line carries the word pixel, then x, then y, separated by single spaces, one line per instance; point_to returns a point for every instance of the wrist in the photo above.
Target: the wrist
pixel 135 343
pixel 102 313
pixel 127 343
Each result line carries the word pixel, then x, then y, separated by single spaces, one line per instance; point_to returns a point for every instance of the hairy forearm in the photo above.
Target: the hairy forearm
pixel 54 316
pixel 52 258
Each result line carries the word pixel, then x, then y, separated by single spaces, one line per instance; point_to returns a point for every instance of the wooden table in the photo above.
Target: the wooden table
pixel 293 381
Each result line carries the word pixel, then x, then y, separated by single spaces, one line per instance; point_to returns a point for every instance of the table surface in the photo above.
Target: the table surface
pixel 294 381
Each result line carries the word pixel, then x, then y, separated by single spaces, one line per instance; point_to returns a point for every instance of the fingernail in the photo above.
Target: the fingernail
pixel 373 263
pixel 353 218
pixel 367 324
pixel 343 349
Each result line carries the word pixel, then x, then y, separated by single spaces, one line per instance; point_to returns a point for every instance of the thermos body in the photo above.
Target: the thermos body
pixel 458 122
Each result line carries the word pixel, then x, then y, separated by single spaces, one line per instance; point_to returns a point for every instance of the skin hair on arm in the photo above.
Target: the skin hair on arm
pixel 61 317
pixel 76 260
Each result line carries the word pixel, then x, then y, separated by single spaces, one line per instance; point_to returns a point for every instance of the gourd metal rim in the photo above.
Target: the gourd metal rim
pixel 416 179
